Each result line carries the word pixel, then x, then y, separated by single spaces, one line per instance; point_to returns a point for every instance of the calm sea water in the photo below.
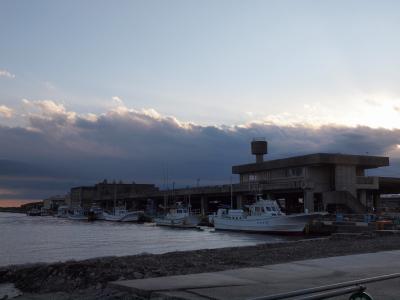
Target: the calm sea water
pixel 26 239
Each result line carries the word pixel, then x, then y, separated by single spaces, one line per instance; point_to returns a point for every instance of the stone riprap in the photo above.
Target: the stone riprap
pixel 92 274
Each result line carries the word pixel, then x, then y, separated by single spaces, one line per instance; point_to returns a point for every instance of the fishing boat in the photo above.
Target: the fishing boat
pixel 121 214
pixel 264 215
pixel 95 213
pixel 179 217
pixel 78 214
pixel 62 211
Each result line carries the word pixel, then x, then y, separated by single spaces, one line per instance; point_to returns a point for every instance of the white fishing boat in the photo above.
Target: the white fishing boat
pixel 95 213
pixel 179 217
pixel 62 211
pixel 262 216
pixel 120 214
pixel 78 214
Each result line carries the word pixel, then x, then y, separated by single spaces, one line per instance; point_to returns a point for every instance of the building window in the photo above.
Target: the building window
pixel 252 177
pixel 296 172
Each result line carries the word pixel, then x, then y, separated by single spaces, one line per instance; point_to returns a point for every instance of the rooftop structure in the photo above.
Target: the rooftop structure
pixel 361 161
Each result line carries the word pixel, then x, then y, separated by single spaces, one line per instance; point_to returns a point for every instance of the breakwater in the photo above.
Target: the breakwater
pixel 96 273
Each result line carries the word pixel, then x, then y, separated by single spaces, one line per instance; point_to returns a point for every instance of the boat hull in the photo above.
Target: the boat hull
pixel 77 217
pixel 184 222
pixel 280 224
pixel 129 217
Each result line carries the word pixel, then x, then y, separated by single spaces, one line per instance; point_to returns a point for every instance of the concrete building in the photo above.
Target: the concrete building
pixel 53 202
pixel 315 182
pixel 106 194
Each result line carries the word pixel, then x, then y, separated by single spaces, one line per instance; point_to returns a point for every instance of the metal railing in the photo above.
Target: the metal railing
pixel 327 291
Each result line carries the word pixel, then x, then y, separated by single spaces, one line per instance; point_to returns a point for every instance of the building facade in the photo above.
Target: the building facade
pixel 53 202
pixel 108 194
pixel 315 182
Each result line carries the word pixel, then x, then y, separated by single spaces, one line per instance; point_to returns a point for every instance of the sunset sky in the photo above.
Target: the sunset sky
pixel 129 89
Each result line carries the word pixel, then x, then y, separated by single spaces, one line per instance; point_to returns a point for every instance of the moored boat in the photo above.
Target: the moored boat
pixel 62 211
pixel 179 217
pixel 120 214
pixel 78 214
pixel 95 213
pixel 264 215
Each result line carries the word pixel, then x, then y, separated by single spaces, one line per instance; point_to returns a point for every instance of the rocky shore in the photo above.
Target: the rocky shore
pixel 90 277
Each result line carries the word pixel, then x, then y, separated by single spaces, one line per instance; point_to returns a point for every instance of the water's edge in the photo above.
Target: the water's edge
pixel 75 275
pixel 50 239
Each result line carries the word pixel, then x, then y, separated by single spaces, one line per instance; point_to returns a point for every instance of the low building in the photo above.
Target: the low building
pixel 108 194
pixel 52 203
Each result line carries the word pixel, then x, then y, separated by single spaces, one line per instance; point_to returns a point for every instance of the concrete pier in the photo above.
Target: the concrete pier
pixel 204 205
pixel 250 283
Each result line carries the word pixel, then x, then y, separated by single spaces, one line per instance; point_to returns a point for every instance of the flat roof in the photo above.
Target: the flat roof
pixel 365 161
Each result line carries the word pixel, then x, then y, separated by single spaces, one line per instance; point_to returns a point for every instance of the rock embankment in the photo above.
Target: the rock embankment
pixel 96 273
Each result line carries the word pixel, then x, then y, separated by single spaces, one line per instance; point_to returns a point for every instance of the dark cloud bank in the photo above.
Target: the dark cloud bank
pixel 59 149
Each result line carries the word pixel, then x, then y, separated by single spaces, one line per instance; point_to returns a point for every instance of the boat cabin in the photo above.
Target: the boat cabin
pixel 178 211
pixel 260 208
pixel 265 207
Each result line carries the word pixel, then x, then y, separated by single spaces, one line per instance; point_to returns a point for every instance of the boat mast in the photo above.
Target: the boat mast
pixel 115 196
pixel 189 205
pixel 80 197
pixel 231 194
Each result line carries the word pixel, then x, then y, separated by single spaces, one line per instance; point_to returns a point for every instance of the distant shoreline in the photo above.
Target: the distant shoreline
pixel 94 274
pixel 12 210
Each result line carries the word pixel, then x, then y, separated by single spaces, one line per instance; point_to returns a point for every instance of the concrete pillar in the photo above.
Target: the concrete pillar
pixel 376 201
pixel 239 201
pixel 308 201
pixel 165 202
pixel 363 198
pixel 204 205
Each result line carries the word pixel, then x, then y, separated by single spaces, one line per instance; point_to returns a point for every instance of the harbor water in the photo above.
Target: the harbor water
pixel 25 239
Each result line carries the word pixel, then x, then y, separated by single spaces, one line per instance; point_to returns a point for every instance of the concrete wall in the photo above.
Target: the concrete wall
pixel 345 179
pixel 320 177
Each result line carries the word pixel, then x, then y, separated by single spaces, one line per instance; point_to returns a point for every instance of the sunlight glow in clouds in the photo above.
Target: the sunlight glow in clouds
pixel 7 74
pixel 70 148
pixel 377 113
pixel 6 112
pixel 381 113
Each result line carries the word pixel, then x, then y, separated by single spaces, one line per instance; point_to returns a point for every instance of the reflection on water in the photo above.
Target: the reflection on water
pixel 47 239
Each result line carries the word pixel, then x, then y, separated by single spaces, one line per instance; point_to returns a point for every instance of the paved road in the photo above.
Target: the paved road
pixel 249 283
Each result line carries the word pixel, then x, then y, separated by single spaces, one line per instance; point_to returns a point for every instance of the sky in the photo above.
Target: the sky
pixel 133 90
